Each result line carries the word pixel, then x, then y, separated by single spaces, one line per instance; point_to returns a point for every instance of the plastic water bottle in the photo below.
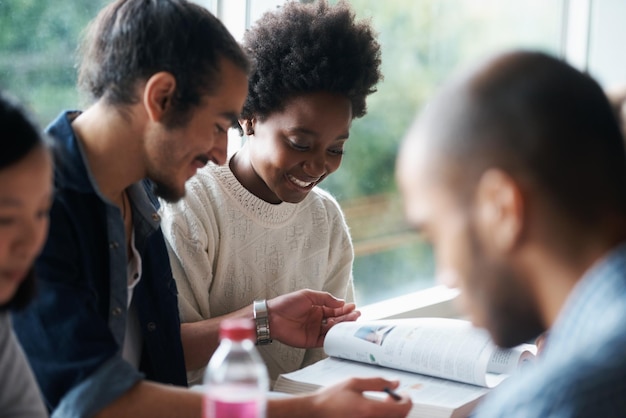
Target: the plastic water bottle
pixel 236 380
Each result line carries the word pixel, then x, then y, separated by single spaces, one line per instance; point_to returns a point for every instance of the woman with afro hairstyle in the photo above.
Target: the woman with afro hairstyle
pixel 259 227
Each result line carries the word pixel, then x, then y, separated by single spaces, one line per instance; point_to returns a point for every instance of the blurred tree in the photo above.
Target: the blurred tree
pixel 38 40
pixel 423 42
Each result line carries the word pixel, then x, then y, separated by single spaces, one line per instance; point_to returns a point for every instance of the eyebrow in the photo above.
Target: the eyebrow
pixel 231 116
pixel 313 133
pixel 12 202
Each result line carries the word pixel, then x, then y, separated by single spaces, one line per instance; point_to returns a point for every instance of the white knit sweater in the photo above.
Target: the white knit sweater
pixel 229 248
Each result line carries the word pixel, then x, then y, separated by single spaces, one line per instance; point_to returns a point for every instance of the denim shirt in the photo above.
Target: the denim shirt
pixel 73 333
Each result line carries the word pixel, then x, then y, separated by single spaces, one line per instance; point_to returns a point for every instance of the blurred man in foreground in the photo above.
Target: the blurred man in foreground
pixel 516 173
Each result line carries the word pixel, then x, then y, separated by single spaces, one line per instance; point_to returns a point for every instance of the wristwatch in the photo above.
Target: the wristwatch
pixel 259 309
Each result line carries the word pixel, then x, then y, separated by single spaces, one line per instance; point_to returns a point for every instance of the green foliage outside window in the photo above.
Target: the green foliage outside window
pixel 423 43
pixel 38 40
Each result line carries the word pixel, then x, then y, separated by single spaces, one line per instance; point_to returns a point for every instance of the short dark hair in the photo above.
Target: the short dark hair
pixel 130 40
pixel 539 118
pixel 306 48
pixel 20 135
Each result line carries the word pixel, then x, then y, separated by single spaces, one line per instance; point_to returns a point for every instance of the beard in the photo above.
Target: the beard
pixel 168 192
pixel 508 309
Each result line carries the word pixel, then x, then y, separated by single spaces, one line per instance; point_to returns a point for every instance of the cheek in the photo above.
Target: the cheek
pixel 458 266
pixel 5 244
pixel 42 235
pixel 333 164
pixel 271 161
pixel 454 258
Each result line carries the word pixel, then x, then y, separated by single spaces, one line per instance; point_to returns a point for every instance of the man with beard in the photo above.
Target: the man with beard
pixel 516 173
pixel 104 336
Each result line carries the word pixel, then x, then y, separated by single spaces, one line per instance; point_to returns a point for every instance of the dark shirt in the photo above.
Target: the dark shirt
pixel 73 333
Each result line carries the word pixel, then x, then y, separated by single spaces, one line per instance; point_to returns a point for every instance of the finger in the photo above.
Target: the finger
pixel 372 383
pixel 328 323
pixel 325 299
pixel 389 409
pixel 352 316
pixel 338 311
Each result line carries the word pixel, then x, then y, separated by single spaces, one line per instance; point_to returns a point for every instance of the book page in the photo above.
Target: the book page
pixel 447 348
pixel 428 394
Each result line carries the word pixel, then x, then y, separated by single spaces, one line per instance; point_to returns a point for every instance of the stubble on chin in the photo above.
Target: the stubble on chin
pixel 169 193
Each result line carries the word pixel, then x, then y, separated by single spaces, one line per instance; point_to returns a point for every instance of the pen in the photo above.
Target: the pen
pixel 393 394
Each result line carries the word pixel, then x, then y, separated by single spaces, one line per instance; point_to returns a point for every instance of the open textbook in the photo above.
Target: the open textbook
pixel 445 365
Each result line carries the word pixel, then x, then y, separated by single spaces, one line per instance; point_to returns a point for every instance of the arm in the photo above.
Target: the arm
pixel 191 235
pixel 339 280
pixel 191 230
pixel 342 400
pixel 295 319
pixel 155 400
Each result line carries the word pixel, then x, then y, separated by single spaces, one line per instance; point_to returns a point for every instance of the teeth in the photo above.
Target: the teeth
pixel 299 182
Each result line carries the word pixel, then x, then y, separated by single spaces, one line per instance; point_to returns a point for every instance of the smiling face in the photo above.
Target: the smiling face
pixel 173 155
pixel 293 150
pixel 25 196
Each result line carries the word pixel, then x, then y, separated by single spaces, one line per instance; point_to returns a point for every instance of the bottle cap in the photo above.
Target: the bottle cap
pixel 237 329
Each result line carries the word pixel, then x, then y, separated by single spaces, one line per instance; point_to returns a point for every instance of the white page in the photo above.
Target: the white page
pixel 441 347
pixel 423 390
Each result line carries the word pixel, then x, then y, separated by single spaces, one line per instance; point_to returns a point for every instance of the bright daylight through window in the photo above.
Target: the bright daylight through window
pixel 423 42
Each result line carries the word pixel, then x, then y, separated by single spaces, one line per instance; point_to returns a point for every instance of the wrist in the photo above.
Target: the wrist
pixel 302 406
pixel 260 314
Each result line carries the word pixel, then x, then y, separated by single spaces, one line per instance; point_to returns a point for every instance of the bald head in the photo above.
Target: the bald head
pixel 534 117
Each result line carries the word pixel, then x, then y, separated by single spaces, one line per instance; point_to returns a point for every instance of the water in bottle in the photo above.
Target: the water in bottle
pixel 236 378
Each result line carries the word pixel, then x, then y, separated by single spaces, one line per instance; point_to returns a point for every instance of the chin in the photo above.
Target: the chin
pixel 168 192
pixel 514 333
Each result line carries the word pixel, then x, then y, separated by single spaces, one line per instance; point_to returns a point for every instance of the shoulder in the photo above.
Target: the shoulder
pixel 588 383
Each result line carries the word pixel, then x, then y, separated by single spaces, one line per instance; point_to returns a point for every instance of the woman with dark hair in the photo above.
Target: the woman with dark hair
pixel 25 194
pixel 258 227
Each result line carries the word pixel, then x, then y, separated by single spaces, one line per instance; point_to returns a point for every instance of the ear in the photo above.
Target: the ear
pixel 248 126
pixel 499 210
pixel 157 95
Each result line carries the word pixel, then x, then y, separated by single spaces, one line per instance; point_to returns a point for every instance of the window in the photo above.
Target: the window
pixel 38 41
pixel 423 43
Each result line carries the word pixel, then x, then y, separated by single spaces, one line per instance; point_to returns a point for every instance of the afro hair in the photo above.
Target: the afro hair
pixel 306 48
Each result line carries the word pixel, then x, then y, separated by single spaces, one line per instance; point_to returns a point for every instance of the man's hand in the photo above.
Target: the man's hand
pixel 344 399
pixel 302 318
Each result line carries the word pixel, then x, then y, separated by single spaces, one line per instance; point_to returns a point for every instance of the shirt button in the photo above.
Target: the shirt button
pixel 151 326
pixel 156 217
pixel 113 244
pixel 116 311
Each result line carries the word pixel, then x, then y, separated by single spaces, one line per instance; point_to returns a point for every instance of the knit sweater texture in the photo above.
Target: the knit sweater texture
pixel 228 248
